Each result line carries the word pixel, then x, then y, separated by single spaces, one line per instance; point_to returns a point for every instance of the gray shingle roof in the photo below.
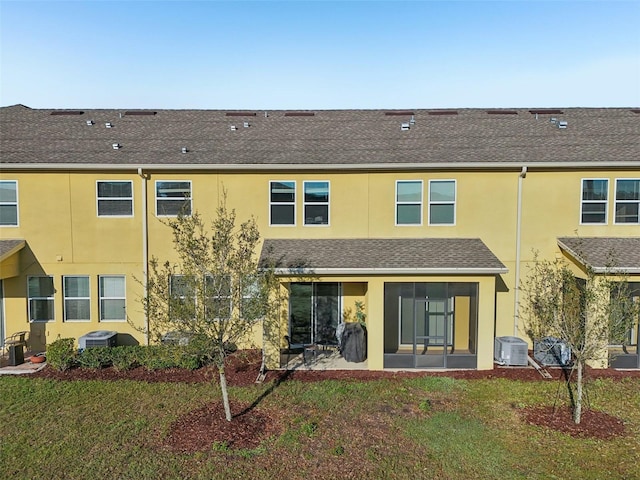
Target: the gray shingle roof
pixel 9 247
pixel 382 255
pixel 329 138
pixel 604 253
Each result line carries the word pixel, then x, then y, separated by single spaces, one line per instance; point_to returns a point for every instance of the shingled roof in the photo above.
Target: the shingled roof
pixel 381 256
pixel 218 139
pixel 604 254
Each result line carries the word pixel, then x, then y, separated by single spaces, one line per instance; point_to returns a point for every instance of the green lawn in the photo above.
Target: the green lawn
pixel 413 428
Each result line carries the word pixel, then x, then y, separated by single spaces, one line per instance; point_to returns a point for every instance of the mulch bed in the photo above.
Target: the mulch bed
pixel 202 428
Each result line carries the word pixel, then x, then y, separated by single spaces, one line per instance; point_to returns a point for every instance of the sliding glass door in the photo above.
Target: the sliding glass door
pixel 314 313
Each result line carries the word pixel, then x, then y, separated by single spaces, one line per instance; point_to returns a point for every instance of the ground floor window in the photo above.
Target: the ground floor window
pixel 77 300
pixel 40 291
pixel 112 298
pixel 314 313
pixel 430 324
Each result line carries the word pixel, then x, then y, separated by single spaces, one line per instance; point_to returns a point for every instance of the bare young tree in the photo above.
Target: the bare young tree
pixel 215 294
pixel 588 314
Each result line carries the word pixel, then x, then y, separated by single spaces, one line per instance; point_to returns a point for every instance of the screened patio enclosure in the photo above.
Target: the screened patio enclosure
pixel 430 325
pixel 628 356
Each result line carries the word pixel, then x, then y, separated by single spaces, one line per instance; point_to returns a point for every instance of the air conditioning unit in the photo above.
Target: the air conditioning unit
pixel 552 352
pixel 510 351
pixel 98 338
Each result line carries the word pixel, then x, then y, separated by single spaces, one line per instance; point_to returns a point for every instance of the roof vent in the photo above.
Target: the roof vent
pixel 443 112
pixel 554 120
pixel 67 112
pixel 546 111
pixel 139 112
pixel 116 146
pixel 240 114
pixel 405 126
pixel 233 128
pixel 185 149
pixel 413 120
pixel 562 124
pixel 246 124
pixel 90 122
pixel 299 114
pixel 398 113
pixel 108 125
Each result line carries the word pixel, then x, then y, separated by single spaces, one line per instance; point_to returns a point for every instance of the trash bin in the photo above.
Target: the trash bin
pixel 16 355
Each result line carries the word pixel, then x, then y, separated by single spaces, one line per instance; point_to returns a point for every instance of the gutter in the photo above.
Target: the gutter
pixel 390 271
pixel 315 166
pixel 145 249
pixel 599 270
pixel 516 300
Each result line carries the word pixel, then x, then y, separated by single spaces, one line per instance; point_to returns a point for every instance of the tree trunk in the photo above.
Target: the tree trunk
pixel 577 411
pixel 225 393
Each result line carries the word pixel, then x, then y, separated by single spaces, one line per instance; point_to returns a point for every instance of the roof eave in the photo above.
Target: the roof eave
pixel 390 271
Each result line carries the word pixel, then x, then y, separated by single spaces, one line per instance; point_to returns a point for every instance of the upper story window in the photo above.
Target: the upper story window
pixel 409 202
pixel 282 203
pixel 8 203
pixel 627 200
pixel 595 196
pixel 316 203
pixel 173 198
pixel 112 298
pixel 40 303
pixel 77 300
pixel 115 198
pixel 442 202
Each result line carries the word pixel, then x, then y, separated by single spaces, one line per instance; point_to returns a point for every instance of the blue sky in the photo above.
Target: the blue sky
pixel 319 55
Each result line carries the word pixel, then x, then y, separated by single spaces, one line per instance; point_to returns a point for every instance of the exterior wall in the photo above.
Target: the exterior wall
pixel 57 218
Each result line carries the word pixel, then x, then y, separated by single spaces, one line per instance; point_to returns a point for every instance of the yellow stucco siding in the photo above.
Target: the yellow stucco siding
pixel 64 235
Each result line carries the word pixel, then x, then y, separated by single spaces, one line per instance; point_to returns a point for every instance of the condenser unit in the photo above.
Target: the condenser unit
pixel 551 351
pixel 510 351
pixel 98 338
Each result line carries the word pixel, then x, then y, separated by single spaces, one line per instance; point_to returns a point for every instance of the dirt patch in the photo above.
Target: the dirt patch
pixel 593 424
pixel 200 429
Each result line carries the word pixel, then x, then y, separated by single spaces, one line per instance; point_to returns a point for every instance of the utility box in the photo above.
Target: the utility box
pixel 16 355
pixel 510 351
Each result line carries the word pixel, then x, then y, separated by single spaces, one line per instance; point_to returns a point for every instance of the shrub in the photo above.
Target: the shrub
pixel 95 357
pixel 61 354
pixel 126 357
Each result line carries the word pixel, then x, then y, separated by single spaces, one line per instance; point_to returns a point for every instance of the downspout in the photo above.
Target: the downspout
pixel 145 250
pixel 516 303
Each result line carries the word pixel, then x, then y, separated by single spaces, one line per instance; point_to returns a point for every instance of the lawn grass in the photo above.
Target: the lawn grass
pixel 412 428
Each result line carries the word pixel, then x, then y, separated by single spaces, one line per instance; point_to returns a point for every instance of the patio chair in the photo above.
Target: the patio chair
pixel 15 340
pixel 294 348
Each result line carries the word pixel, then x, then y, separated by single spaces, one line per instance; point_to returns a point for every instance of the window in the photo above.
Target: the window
pixel 77 302
pixel 316 203
pixel 173 198
pixel 40 291
pixel 627 200
pixel 442 202
pixel 253 304
pixel 112 298
pixel 187 296
pixel 115 199
pixel 282 203
pixel 595 194
pixel 8 203
pixel 409 202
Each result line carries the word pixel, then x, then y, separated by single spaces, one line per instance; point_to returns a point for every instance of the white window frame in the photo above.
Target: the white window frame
pixel 421 202
pixel 16 203
pixel 49 298
pixel 583 202
pixel 305 203
pixel 65 298
pixel 99 198
pixel 616 202
pixel 447 202
pixel 185 199
pixel 271 203
pixel 101 298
